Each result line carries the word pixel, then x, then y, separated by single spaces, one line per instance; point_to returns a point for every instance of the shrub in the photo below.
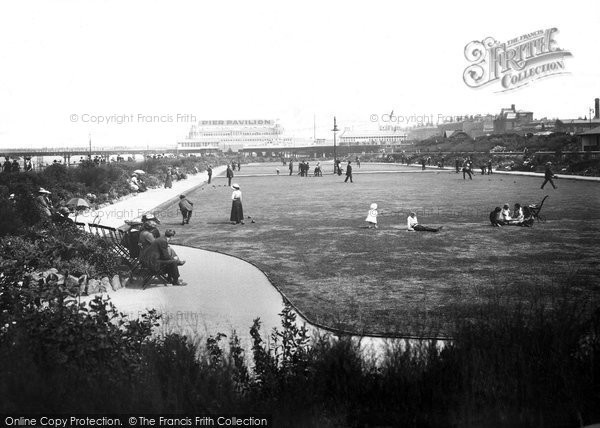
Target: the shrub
pixel 62 355
pixel 58 246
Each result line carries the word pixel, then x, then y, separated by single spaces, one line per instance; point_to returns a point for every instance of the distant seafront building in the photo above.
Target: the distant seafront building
pixel 508 121
pixel 232 135
pixel 383 136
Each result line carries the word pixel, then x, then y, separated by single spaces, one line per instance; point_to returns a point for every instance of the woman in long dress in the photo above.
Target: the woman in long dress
pixel 169 179
pixel 237 211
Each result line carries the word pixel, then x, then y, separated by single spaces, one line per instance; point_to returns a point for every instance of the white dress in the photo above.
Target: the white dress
pixel 372 217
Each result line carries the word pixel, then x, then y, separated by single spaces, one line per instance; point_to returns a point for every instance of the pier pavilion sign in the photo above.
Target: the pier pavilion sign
pixel 261 122
pixel 514 63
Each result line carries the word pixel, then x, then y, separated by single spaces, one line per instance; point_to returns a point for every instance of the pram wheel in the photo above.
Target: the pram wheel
pixel 541 218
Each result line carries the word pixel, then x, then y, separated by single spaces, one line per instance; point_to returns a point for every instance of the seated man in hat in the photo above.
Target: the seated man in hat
pixel 158 258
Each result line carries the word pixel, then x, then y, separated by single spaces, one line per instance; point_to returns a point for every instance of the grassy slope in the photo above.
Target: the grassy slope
pixel 309 236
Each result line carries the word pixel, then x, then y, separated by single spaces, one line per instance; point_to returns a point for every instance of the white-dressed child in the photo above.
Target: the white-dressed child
pixel 372 216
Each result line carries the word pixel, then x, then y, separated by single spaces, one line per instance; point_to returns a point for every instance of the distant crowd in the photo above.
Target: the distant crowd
pixel 14 165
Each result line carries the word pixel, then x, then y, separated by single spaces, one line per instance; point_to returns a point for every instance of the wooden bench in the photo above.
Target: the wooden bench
pixel 116 239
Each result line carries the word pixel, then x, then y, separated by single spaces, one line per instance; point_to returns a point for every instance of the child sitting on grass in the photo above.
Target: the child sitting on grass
pixel 372 216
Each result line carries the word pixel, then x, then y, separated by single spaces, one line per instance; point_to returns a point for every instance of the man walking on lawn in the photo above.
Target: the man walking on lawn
pixel 548 175
pixel 229 174
pixel 348 173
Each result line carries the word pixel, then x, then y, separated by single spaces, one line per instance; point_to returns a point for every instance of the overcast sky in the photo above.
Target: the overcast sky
pixel 268 60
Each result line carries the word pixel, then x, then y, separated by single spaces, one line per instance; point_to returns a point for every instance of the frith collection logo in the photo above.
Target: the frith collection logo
pixel 514 63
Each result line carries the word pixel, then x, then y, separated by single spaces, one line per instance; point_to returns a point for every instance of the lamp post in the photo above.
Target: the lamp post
pixel 335 130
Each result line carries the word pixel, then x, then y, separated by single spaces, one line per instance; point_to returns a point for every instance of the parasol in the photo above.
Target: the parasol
pixel 139 171
pixel 78 204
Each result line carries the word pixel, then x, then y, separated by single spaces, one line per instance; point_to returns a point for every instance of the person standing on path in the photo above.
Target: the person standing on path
pixel 229 175
pixel 348 173
pixel 209 171
pixel 291 167
pixel 169 179
pixel 548 175
pixel 237 211
pixel 186 207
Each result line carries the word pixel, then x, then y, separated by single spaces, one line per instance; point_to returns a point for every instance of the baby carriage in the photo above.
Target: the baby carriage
pixel 532 211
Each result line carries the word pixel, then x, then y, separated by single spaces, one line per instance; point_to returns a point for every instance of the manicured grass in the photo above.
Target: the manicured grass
pixel 309 236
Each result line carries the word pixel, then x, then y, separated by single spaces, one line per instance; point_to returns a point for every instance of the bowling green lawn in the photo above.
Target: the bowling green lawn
pixel 309 236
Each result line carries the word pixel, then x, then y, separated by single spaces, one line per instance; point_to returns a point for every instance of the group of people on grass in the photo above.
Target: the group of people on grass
pixel 504 217
pixel 467 167
pixel 304 168
pixel 412 224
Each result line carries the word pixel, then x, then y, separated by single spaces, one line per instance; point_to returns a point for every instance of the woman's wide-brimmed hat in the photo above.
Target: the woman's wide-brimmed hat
pixel 373 206
pixel 150 217
pixel 235 186
pixel 42 190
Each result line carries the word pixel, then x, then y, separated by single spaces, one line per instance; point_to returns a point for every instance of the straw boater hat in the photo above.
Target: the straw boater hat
pixel 373 206
pixel 42 190
pixel 235 186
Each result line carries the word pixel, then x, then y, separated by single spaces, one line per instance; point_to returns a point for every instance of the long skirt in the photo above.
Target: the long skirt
pixel 237 212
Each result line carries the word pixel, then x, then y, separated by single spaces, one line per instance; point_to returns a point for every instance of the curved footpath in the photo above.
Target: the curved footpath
pixel 223 293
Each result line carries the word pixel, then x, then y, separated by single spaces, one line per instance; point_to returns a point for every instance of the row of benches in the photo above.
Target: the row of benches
pixel 125 245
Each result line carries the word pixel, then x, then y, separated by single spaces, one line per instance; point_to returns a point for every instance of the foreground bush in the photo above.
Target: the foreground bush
pixel 534 367
pixel 61 246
